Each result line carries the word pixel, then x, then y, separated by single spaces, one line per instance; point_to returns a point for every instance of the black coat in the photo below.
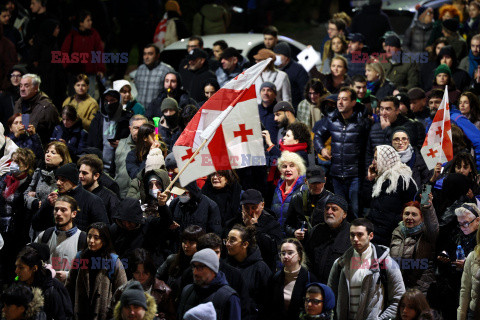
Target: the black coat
pixel 277 309
pixel 200 210
pixel 348 141
pixel 324 245
pixel 91 210
pixel 57 300
pixel 256 275
pixel 110 200
pixel 303 207
pixel 95 133
pixel 420 172
pixel 75 137
pixel 386 210
pixel 193 81
pixel 298 80
pixel 227 199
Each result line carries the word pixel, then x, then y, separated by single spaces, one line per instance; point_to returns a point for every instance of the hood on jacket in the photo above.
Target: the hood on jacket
pixel 36 305
pixel 113 93
pixel 119 84
pixel 149 314
pixel 178 91
pixel 328 296
pixel 195 192
pixel 160 173
pixel 204 311
pixel 131 211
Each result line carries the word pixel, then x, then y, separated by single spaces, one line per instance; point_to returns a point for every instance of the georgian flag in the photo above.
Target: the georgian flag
pixel 160 31
pixel 230 122
pixel 438 146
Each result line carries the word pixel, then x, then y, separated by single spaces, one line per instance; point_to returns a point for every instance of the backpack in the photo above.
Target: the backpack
pixel 82 238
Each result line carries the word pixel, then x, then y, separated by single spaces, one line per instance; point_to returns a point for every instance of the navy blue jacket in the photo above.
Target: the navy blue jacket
pixel 298 77
pixel 266 117
pixel 75 137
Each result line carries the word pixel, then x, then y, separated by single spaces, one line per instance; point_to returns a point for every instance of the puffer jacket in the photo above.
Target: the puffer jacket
pixel 348 141
pixel 470 286
pixel 416 36
pixel 149 314
pixel 419 246
pixel 372 304
pixel 211 19
pixel 280 206
pixel 121 175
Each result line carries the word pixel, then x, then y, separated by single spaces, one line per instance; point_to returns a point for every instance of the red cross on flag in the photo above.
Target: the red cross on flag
pixel 160 31
pixel 437 146
pixel 230 125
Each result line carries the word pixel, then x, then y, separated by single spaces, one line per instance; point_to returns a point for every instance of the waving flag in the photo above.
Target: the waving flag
pixel 230 124
pixel 437 146
pixel 159 35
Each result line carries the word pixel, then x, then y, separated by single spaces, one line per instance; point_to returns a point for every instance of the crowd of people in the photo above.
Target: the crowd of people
pixel 344 220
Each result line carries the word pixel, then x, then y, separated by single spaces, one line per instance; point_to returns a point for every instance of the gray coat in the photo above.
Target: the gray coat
pixel 121 175
pixel 416 36
pixel 373 304
pixel 43 183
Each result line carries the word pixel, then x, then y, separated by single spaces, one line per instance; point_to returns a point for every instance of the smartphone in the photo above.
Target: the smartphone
pixel 26 120
pixel 427 189
pixel 303 226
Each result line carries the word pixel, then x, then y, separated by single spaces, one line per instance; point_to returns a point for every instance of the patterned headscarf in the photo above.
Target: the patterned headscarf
pixel 390 167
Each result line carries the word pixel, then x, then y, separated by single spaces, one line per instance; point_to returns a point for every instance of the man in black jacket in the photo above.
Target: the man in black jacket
pixel 91 206
pixel 196 73
pixel 307 207
pixel 90 168
pixel 329 240
pixel 268 230
pixel 348 127
pixel 390 118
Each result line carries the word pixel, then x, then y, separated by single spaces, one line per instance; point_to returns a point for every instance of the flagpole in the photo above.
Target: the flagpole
pixel 186 165
pixel 445 94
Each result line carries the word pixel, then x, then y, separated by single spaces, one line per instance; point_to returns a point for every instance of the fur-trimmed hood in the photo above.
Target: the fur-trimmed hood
pixel 35 307
pixel 149 314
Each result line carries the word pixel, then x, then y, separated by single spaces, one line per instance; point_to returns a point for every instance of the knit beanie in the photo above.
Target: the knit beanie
pixel 154 160
pixel 268 84
pixel 451 25
pixel 134 295
pixel 204 311
pixel 170 162
pixel 208 257
pixel 443 68
pixel 339 201
pixel 169 103
pixel 283 48
pixel 68 171
pixel 173 5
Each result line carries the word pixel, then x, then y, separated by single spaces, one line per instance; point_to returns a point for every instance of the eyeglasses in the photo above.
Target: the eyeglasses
pixel 466 224
pixel 312 301
pixel 404 139
pixel 283 254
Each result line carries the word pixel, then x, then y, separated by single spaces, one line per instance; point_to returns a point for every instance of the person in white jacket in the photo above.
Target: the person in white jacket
pixel 272 74
pixel 470 286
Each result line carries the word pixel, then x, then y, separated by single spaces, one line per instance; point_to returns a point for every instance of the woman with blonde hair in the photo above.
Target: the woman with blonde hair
pixel 292 169
pixel 378 85
pixel 470 286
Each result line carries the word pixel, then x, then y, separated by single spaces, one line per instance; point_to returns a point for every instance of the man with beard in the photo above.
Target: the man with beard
pixel 196 73
pixel 308 205
pixel 172 88
pixel 284 116
pixel 110 123
pixel 124 147
pixel 65 239
pixel 268 94
pixel 91 168
pixel 150 74
pixel 170 126
pixel 91 206
pixel 209 285
pixel 328 240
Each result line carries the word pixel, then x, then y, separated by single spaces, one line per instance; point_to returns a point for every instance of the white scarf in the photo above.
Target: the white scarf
pixel 406 155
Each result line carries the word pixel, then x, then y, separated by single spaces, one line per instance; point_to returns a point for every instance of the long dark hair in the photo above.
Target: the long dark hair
pixel 107 245
pixel 140 256
pixel 474 106
pixel 31 257
pixel 191 233
pixel 466 158
pixel 142 146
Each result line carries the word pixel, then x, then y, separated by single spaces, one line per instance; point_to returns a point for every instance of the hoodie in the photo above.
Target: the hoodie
pixel 111 123
pixel 133 105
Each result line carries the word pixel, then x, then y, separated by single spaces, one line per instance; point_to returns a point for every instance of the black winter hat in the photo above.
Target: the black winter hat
pixel 283 106
pixel 134 295
pixel 130 211
pixel 68 171
pixel 451 25
pixel 339 201
pixel 283 48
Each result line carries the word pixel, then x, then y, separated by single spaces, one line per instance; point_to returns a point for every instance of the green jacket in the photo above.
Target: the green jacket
pixel 402 74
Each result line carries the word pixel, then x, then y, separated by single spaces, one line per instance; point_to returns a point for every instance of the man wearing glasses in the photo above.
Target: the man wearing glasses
pixel 209 285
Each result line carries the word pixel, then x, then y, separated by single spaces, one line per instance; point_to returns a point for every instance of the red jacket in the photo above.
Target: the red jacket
pixel 83 42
